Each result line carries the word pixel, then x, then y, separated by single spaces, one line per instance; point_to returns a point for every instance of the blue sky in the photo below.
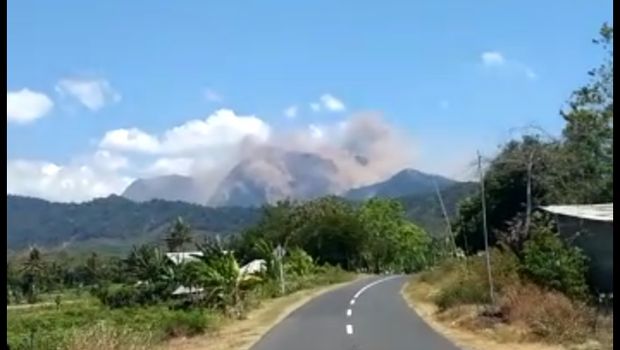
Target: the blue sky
pixel 455 76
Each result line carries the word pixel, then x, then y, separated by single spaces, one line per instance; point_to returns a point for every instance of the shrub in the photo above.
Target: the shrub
pixel 504 268
pixel 548 262
pixel 267 290
pixel 117 296
pixel 466 282
pixel 299 262
pixel 549 315
pixel 328 274
pixel 465 291
pixel 185 323
pixel 446 270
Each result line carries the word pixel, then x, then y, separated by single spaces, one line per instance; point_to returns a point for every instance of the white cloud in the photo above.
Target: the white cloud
pixel 316 132
pixel 25 106
pixel 104 159
pixel 291 112
pixel 132 140
pixel 328 102
pixel 212 96
pixel 94 94
pixel 171 166
pixel 493 58
pixel 70 183
pixel 316 107
pixel 220 130
pixel 331 103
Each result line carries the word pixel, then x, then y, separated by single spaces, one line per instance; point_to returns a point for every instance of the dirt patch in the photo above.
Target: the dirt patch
pixel 455 324
pixel 242 334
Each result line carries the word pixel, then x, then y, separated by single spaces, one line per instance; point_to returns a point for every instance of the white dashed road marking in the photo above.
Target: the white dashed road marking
pixel 357 295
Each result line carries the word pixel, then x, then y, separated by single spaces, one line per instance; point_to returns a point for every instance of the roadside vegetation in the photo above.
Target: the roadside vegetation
pixel 59 303
pixel 540 286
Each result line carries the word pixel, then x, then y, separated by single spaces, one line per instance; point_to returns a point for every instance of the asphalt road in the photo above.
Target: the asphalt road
pixel 366 315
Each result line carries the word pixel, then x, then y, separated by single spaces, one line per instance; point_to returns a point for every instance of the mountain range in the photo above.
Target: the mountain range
pixel 276 175
pixel 115 223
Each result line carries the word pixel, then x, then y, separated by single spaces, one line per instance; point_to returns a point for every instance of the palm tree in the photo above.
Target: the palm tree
pixel 179 234
pixel 32 271
pixel 150 264
pixel 92 269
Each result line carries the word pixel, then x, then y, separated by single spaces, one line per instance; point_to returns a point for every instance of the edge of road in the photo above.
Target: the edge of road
pixel 244 334
pixel 313 293
pixel 463 339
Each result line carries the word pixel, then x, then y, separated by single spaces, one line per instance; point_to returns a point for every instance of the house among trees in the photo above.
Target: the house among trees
pixel 253 267
pixel 589 227
pixel 179 258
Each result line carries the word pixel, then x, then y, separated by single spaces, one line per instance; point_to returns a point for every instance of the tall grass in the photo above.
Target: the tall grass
pixel 103 336
pixel 542 314
pixel 52 328
pixel 76 325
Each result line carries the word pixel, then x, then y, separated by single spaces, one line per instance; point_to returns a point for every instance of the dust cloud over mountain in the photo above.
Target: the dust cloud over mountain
pixel 365 148
pixel 300 164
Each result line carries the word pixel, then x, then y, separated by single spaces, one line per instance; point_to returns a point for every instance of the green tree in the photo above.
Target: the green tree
pixel 150 264
pixel 331 232
pixel 381 219
pixel 32 275
pixel 92 269
pixel 219 274
pixel 298 262
pixel 506 178
pixel 12 282
pixel 393 242
pixel 587 174
pixel 549 262
pixel 577 168
pixel 179 234
pixel 414 249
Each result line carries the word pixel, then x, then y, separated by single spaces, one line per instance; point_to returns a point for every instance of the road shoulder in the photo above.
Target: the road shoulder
pixel 462 338
pixel 243 334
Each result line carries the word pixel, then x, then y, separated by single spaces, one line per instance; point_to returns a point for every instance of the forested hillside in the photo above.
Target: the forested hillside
pixel 119 222
pixel 36 221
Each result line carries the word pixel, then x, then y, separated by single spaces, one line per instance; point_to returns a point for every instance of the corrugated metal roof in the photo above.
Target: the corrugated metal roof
pixel 254 266
pixel 187 290
pixel 598 212
pixel 181 257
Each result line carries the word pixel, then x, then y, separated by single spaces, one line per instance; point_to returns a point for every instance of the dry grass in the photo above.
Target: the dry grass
pixel 549 316
pixel 454 323
pixel 104 337
pixel 242 334
pixel 531 318
pixel 553 317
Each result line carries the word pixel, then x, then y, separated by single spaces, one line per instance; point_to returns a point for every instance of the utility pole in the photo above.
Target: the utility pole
pixel 485 231
pixel 528 210
pixel 445 215
pixel 280 254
